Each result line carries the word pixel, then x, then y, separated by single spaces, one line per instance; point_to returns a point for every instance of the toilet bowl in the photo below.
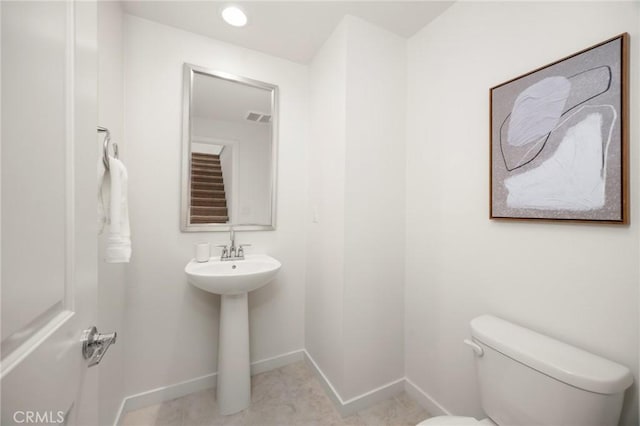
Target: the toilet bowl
pixel 527 378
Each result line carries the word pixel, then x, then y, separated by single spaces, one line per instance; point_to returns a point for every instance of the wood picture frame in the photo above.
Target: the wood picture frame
pixel 559 139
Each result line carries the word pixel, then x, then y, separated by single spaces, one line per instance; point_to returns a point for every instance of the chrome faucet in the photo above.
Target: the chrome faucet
pixel 232 247
pixel 232 252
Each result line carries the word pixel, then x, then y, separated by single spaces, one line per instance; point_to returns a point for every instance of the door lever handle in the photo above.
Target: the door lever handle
pixel 95 345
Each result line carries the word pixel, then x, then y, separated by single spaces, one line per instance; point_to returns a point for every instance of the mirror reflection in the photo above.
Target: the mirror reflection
pixel 228 152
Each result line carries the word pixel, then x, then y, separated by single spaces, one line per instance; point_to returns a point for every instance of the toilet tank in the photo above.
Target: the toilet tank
pixel 529 379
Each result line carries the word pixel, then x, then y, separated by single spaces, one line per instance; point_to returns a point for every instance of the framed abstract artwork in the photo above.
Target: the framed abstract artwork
pixel 559 139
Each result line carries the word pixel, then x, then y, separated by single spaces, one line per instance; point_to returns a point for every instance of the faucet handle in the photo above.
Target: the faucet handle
pixel 225 251
pixel 241 249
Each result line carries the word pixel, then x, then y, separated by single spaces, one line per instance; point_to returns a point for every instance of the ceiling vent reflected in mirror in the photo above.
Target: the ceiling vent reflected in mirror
pixel 259 117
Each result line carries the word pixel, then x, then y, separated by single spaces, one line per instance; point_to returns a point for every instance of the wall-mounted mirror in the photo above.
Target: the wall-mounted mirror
pixel 228 152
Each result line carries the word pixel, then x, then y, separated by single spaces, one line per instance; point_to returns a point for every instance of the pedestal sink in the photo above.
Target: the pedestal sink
pixel 233 280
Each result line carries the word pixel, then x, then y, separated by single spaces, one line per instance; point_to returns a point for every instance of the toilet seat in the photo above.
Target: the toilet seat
pixel 455 421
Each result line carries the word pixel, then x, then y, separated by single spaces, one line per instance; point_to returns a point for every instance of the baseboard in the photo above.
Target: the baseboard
pixel 272 363
pixel 345 408
pixel 333 394
pixel 119 414
pixel 208 381
pixel 360 402
pixel 167 393
pixel 424 399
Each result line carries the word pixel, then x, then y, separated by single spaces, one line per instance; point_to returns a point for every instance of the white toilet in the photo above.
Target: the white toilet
pixel 528 379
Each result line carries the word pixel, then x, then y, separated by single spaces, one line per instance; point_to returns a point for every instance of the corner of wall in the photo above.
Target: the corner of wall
pixel 325 235
pixel 363 67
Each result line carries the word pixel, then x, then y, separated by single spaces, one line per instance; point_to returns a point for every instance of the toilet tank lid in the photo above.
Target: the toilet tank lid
pixel 559 360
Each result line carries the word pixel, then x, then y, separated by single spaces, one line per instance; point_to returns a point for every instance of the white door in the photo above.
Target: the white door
pixel 49 260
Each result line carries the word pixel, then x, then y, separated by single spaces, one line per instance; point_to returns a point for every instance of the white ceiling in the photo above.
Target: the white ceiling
pixel 293 30
pixel 215 98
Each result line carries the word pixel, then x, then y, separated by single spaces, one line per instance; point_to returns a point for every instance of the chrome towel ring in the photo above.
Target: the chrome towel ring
pixel 107 139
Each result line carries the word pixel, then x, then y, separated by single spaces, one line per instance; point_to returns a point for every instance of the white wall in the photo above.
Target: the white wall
pixel 355 264
pixel 374 208
pixel 228 164
pixel 575 282
pixel 325 250
pixel 172 326
pixel 111 277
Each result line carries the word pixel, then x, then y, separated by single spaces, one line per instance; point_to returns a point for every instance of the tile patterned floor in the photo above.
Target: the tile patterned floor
pixel 290 395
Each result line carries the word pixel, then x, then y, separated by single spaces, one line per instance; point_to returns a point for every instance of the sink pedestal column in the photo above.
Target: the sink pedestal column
pixel 234 370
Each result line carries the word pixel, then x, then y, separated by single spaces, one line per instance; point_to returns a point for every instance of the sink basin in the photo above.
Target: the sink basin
pixel 233 280
pixel 233 276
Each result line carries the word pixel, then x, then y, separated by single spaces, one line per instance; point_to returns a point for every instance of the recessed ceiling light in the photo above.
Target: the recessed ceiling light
pixel 234 16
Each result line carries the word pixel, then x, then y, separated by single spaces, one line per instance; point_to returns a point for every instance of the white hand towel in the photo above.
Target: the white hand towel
pixel 104 194
pixel 119 238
